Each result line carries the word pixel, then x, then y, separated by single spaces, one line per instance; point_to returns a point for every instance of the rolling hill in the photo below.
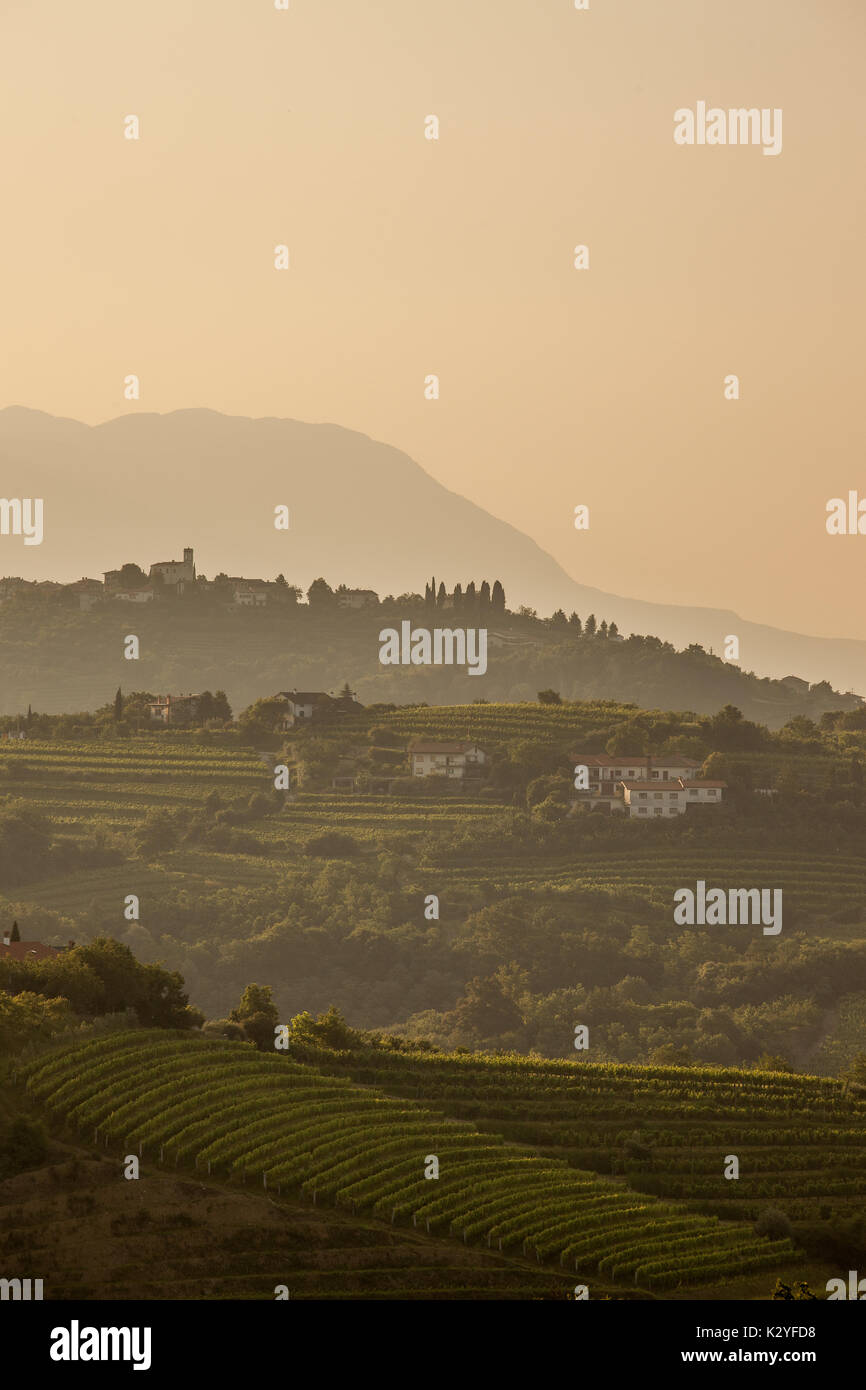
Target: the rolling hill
pixel 363 513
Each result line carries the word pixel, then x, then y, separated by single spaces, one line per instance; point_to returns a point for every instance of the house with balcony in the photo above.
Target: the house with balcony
pixel 657 798
pixel 606 773
pixel 432 759
pixel 175 711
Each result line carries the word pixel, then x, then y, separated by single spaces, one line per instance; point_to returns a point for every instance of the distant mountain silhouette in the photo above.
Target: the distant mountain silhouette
pixel 143 486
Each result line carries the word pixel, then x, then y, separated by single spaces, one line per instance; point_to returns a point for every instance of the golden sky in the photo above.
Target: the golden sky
pixel 454 257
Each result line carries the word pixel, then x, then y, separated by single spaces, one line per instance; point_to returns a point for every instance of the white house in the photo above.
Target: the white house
pixel 250 593
pixel 656 798
pixel 302 705
pixel 445 759
pixel 606 773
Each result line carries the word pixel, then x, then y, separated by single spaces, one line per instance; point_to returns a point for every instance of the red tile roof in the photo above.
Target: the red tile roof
pixel 26 950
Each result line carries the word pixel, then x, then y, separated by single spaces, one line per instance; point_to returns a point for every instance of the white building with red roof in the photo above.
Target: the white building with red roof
pixel 432 759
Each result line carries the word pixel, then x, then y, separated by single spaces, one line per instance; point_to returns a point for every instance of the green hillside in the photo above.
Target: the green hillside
pixel 800 1140
pixel 233 1113
pixel 545 911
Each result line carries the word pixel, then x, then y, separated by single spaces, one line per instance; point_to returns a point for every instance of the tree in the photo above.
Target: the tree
pixel 157 832
pixel 258 1015
pixel 328 1030
pixel 613 630
pixel 15 934
pixel 602 630
pixel 132 577
pixel 458 596
pixel 470 594
pixel 549 697
pixel 485 1011
pixel 118 705
pixel 574 621
pixel 497 597
pixel 484 594
pixel 589 626
pixel 774 1224
pixel 29 716
pixel 214 706
pixel 855 1072
pixel 321 595
pixel 441 595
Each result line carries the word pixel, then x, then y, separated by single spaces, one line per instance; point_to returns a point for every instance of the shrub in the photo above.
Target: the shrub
pixel 774 1224
pixel 332 845
pixel 23 1146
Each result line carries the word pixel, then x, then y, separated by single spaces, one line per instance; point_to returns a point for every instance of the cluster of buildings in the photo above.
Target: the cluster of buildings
pixel 636 785
pixel 642 785
pixel 301 706
pixel 172 579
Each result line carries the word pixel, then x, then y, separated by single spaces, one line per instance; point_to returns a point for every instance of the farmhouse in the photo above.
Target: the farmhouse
pixel 25 950
pixel 175 710
pixel 606 773
pixel 305 705
pixel 445 759
pixel 250 593
pixel 669 798
pixel 357 598
pixel 642 784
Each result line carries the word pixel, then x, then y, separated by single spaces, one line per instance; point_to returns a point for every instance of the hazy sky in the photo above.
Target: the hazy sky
pixel 454 257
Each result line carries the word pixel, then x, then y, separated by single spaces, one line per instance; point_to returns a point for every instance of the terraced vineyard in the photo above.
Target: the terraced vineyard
pixel 501 723
pixel 365 816
pixel 114 785
pixel 800 1141
pixel 228 1110
pixel 658 870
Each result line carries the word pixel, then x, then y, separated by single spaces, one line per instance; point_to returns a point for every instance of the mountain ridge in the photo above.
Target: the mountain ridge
pixel 363 512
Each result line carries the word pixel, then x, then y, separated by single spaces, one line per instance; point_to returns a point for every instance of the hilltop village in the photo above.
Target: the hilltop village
pixel 172 580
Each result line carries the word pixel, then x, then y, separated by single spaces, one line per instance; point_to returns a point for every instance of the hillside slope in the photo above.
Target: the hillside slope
pixel 222 1107
pixel 363 513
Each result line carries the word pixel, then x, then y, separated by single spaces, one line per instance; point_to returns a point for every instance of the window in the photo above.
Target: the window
pixel 642 796
pixel 641 810
pixel 657 796
pixel 692 791
pixel 713 792
pixel 659 811
pixel 672 796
